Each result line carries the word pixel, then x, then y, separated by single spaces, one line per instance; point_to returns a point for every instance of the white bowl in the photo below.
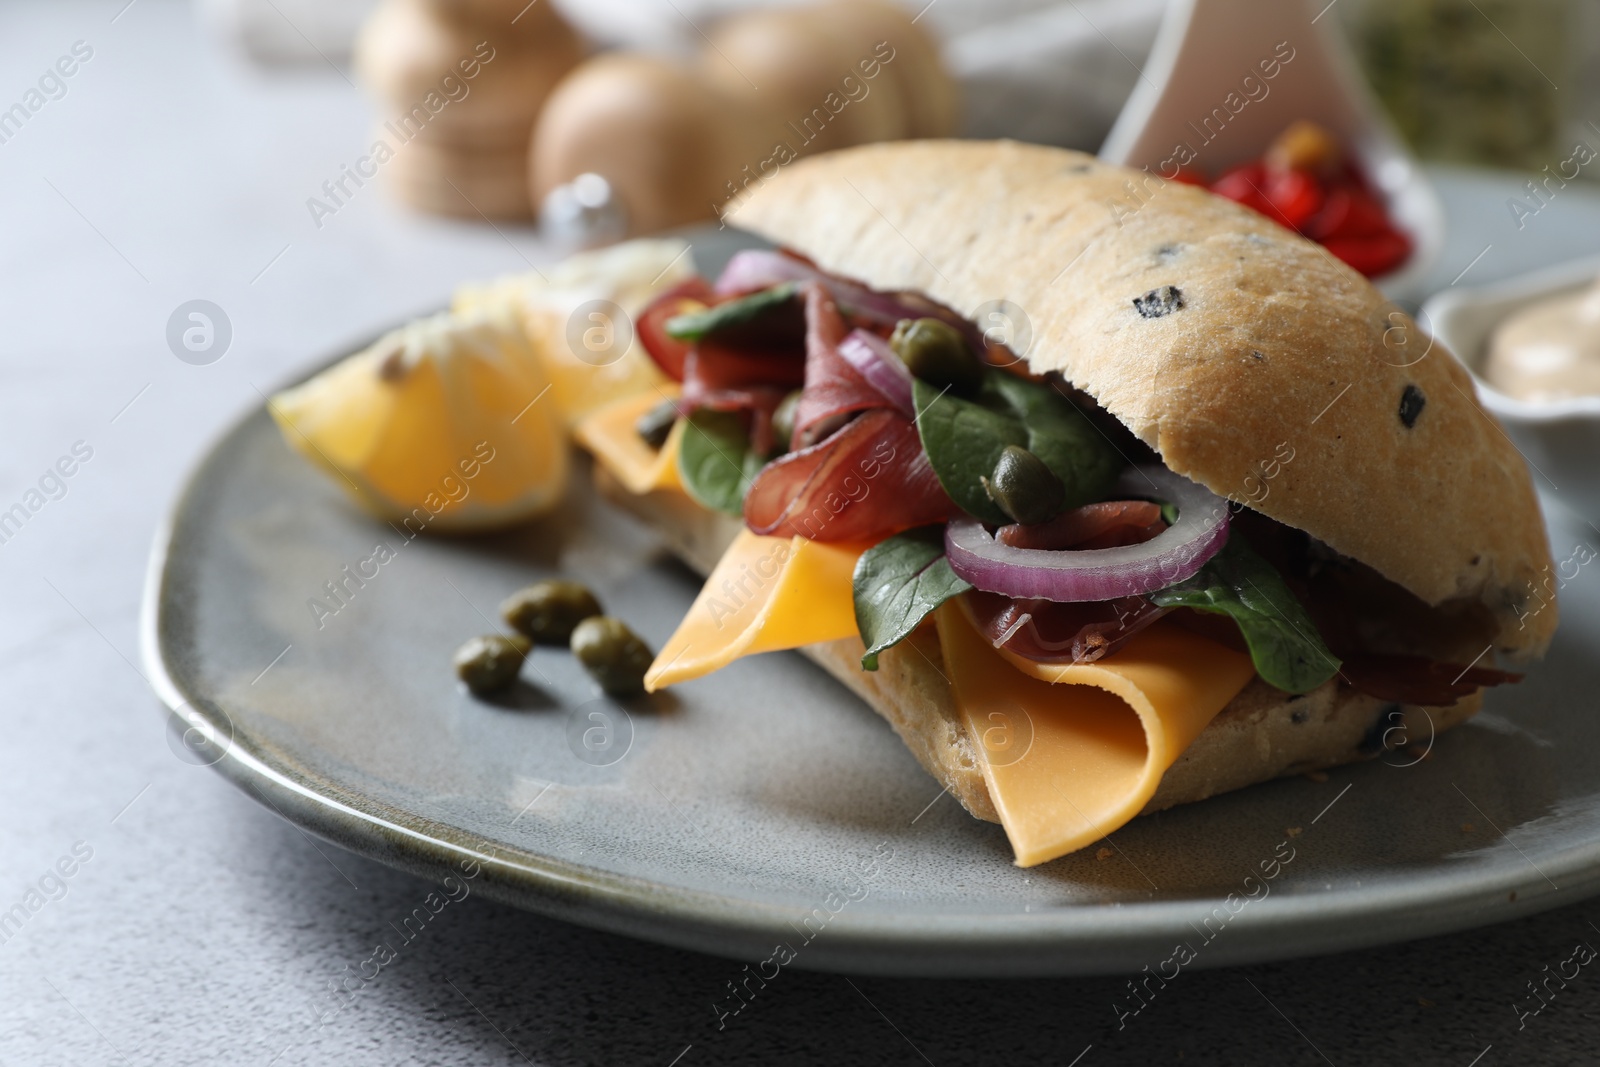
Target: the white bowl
pixel 1559 438
pixel 1200 52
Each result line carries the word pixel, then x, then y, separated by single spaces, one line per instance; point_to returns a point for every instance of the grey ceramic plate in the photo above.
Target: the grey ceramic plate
pixel 764 806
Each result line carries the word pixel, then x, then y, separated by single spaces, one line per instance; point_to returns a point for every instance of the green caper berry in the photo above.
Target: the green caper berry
pixel 612 654
pixel 547 611
pixel 935 351
pixel 491 663
pixel 783 419
pixel 1024 487
pixel 655 424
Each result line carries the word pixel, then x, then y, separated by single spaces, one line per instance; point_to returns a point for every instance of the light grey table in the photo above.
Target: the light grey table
pixel 202 928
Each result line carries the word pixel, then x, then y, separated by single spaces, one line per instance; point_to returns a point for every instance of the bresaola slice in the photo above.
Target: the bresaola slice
pixel 1418 680
pixel 729 377
pixel 866 481
pixel 1108 524
pixel 858 471
pixel 834 389
pixel 1048 632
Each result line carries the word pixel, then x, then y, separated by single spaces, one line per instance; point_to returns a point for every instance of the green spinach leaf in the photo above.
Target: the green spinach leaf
pixel 964 439
pixel 696 324
pixel 897 582
pixel 1284 643
pixel 716 460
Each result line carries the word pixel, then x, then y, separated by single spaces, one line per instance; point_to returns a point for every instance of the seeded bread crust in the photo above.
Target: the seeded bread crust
pixel 1264 346
pixel 1262 734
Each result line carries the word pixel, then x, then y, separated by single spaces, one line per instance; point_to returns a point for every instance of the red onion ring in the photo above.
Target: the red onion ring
pixel 883 370
pixel 754 269
pixel 1099 573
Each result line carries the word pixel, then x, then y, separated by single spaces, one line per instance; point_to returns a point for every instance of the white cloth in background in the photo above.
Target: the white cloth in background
pixel 1036 70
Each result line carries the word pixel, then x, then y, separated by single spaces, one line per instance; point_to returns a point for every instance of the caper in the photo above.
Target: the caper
pixel 655 424
pixel 1024 487
pixel 935 351
pixel 612 654
pixel 491 663
pixel 547 611
pixel 783 419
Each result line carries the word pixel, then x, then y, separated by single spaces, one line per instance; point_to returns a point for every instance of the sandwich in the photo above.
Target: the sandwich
pixel 1104 512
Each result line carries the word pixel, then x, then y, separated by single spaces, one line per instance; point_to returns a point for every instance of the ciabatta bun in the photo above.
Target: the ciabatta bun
pixel 1275 342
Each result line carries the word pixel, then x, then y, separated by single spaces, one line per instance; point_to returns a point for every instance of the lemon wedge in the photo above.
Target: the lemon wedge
pixel 579 315
pixel 445 424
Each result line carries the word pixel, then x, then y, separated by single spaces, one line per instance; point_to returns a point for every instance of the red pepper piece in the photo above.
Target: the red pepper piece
pixel 1244 184
pixel 1296 195
pixel 1371 255
pixel 1350 212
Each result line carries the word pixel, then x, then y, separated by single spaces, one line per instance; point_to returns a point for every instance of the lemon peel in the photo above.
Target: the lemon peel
pixel 446 424
pixel 578 317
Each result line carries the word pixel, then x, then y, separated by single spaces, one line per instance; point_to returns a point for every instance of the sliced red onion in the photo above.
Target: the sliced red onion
pixel 1099 573
pixel 755 269
pixel 883 370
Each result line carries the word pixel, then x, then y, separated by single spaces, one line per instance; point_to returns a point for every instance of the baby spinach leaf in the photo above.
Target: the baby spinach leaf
pixel 696 324
pixel 716 460
pixel 1284 643
pixel 897 583
pixel 964 438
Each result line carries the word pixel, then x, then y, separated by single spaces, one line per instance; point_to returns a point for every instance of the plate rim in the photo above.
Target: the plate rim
pixel 1054 941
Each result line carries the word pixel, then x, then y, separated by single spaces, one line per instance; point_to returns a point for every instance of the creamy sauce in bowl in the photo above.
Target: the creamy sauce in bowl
pixel 1549 350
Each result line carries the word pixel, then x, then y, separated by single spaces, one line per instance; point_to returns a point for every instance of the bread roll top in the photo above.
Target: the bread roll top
pixel 1222 340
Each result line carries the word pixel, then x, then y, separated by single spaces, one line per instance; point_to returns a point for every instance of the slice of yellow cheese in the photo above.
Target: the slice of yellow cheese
pixel 767 594
pixel 610 435
pixel 1073 753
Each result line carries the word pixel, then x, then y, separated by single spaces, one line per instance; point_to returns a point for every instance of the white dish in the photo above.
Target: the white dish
pixel 1208 52
pixel 1559 438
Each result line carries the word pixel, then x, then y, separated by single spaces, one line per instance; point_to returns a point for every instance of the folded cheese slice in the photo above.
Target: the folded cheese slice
pixel 1073 752
pixel 765 595
pixel 610 434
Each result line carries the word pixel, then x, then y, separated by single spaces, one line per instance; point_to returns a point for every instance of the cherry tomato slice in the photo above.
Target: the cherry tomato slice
pixel 669 352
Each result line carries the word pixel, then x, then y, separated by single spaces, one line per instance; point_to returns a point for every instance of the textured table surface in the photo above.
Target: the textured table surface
pixel 201 928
